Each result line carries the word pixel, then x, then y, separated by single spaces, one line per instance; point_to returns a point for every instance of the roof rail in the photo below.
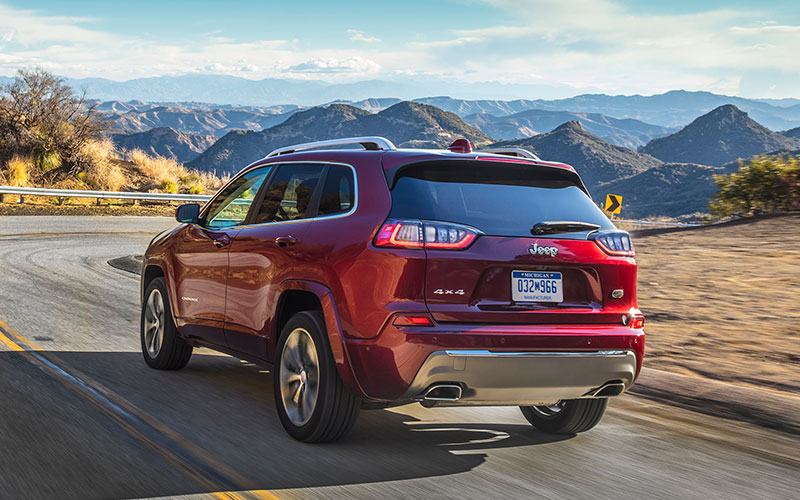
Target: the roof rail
pixel 369 143
pixel 519 152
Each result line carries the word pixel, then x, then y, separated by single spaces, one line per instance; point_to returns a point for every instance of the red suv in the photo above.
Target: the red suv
pixel 381 276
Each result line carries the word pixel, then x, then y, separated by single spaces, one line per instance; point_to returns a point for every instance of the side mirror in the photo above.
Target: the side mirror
pixel 188 213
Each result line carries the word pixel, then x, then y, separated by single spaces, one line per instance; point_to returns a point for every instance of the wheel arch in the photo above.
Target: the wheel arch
pixel 302 295
pixel 157 268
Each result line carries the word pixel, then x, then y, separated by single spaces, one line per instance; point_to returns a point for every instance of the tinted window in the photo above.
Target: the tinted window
pixel 231 206
pixel 338 194
pixel 498 200
pixel 290 193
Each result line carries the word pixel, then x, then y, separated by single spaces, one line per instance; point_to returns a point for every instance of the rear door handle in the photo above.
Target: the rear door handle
pixel 222 241
pixel 285 241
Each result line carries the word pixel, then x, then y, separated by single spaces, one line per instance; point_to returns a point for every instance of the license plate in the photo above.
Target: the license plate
pixel 532 286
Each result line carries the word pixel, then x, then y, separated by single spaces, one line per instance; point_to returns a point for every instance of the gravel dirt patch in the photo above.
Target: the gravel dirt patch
pixel 723 302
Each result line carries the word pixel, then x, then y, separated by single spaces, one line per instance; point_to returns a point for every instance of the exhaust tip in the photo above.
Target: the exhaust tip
pixel 609 390
pixel 443 392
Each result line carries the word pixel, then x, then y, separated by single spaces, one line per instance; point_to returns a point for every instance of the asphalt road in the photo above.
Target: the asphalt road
pixel 82 416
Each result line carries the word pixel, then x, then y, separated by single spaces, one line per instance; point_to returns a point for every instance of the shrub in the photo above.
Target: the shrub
pixel 41 117
pixel 169 186
pixel 765 184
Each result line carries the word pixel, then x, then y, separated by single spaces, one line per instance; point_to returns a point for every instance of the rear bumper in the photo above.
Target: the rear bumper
pixel 520 378
pixel 495 364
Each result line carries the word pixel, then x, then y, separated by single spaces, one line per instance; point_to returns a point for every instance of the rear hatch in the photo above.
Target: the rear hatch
pixel 511 271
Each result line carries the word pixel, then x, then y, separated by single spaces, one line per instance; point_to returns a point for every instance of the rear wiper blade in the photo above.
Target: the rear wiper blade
pixel 550 227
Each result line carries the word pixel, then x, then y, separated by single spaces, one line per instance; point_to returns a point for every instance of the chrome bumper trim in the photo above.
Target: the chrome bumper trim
pixel 548 354
pixel 522 378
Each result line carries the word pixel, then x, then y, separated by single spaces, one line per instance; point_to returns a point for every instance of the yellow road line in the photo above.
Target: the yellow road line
pixel 177 461
pixel 8 342
pixel 19 337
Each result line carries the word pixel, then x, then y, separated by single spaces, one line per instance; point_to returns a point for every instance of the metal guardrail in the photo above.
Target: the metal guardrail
pixel 655 223
pixel 61 194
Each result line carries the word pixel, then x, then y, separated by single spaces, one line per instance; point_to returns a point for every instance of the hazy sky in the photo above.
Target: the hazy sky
pixel 614 46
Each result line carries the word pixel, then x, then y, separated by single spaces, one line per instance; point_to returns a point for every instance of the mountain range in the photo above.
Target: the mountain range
pixel 671 109
pixel 625 132
pixel 675 108
pixel 407 124
pixel 198 118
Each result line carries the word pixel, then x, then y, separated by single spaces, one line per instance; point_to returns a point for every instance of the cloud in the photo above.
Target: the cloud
pixel 358 36
pixel 769 29
pixel 326 65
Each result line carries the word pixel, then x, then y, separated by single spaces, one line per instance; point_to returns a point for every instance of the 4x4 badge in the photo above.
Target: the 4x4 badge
pixel 535 249
pixel 449 292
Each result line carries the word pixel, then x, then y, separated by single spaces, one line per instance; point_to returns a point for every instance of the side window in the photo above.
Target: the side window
pixel 231 206
pixel 338 193
pixel 290 193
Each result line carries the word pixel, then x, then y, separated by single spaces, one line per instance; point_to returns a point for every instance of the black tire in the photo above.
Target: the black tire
pixel 335 409
pixel 174 352
pixel 571 416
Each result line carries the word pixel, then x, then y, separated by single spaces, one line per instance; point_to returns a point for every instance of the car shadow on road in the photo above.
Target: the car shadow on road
pixel 217 414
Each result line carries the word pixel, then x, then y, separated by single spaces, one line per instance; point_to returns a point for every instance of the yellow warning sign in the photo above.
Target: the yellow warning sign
pixel 613 203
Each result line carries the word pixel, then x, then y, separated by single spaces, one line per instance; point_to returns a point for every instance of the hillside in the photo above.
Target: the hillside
pixel 596 160
pixel 194 118
pixel 793 133
pixel 719 137
pixel 671 189
pixel 406 124
pixel 166 142
pixel 625 132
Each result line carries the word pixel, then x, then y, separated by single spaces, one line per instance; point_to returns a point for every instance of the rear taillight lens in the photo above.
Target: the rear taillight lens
pixel 400 234
pixel 614 243
pixel 427 234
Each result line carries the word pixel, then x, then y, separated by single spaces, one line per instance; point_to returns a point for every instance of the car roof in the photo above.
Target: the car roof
pixel 393 159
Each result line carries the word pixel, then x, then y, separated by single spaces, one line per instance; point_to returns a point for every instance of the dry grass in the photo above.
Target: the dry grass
pixel 172 176
pixel 17 171
pixel 104 172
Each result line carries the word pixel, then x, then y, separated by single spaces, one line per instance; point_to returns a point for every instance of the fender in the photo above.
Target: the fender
pixel 171 292
pixel 334 327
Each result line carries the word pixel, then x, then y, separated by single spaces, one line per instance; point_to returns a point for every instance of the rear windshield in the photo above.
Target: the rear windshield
pixel 500 200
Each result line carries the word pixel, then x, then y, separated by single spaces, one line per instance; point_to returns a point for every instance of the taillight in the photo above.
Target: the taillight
pixel 634 319
pixel 400 233
pixel 614 243
pixel 427 234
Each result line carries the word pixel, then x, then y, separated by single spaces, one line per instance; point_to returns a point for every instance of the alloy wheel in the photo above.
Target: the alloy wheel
pixel 154 323
pixel 299 376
